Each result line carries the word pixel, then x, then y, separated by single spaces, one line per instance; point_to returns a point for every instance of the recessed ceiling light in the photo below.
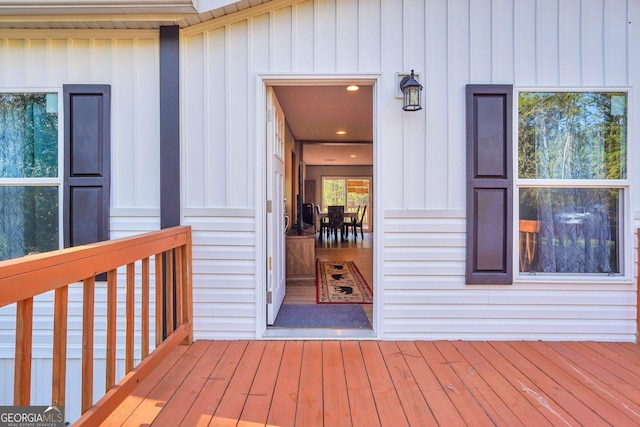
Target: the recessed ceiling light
pixel 329 160
pixel 341 132
pixel 353 156
pixel 352 88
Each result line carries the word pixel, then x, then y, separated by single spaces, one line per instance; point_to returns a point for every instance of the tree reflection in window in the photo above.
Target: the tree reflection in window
pixel 572 167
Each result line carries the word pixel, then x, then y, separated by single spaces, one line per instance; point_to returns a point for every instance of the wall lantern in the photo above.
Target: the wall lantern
pixel 411 89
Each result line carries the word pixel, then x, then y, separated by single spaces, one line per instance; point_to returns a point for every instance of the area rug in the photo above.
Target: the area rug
pixel 321 316
pixel 340 282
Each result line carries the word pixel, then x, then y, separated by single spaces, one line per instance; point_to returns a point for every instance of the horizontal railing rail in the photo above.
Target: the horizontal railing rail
pixel 22 279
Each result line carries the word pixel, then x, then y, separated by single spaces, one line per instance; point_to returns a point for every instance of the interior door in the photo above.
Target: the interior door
pixel 276 275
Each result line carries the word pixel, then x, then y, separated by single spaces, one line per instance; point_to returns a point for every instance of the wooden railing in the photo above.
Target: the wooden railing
pixel 24 278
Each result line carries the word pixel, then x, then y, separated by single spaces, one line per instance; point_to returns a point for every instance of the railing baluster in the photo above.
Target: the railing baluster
pixel 159 299
pixel 178 285
pixel 169 292
pixel 24 339
pixel 130 319
pixel 59 368
pixel 186 286
pixel 88 306
pixel 112 317
pixel 145 309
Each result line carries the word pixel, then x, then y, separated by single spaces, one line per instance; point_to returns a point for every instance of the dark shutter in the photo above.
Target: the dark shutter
pixel 87 157
pixel 489 184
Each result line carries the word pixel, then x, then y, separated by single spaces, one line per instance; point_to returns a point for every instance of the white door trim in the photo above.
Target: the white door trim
pixel 306 79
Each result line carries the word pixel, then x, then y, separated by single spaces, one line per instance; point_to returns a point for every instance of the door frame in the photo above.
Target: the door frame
pixel 294 79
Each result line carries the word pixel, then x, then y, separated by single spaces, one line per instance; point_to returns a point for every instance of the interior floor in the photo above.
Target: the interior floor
pixel 329 249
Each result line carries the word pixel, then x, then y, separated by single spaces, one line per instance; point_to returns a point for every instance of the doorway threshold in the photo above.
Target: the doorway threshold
pixel 319 333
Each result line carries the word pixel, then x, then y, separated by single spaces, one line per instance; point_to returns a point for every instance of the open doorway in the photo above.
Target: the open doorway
pixel 328 142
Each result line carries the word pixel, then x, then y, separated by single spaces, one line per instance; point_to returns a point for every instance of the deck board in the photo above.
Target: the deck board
pixel 389 383
pixel 283 407
pixel 309 406
pixel 495 395
pixel 258 403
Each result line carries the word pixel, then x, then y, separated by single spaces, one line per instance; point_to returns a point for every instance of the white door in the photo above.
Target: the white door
pixel 275 207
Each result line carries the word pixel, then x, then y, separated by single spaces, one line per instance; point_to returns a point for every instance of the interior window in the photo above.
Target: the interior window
pixel 29 174
pixel 348 192
pixel 572 181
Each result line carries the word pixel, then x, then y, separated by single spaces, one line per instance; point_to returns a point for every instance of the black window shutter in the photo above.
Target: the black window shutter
pixel 489 184
pixel 87 158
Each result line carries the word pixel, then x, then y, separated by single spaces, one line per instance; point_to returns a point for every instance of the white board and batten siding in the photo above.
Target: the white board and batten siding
pixel 45 60
pixel 419 157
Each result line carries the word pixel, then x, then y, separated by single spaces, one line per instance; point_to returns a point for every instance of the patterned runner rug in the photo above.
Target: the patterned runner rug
pixel 340 282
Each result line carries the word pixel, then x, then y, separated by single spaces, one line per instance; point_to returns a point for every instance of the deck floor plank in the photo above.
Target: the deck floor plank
pixel 212 392
pixel 131 403
pixel 597 381
pixel 256 408
pixel 412 400
pixel 285 395
pixel 309 410
pixel 619 385
pixel 334 386
pixel 522 404
pixel 550 383
pixel 361 402
pixel 459 394
pixel 597 411
pixel 444 411
pixel 177 409
pixel 389 383
pixel 497 397
pixel 153 403
pixel 616 359
pixel 230 408
pixel 382 386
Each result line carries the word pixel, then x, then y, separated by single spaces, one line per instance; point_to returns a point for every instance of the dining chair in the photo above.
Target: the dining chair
pixel 336 221
pixel 357 222
pixel 321 222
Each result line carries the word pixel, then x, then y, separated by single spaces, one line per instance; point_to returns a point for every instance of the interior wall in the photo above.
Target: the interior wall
pixel 289 185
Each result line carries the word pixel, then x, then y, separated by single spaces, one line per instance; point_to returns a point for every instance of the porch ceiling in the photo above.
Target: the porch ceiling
pixel 115 14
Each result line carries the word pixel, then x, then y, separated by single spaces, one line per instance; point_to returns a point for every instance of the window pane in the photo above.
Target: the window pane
pixel 28 135
pixel 566 230
pixel 572 135
pixel 333 192
pixel 28 220
pixel 358 195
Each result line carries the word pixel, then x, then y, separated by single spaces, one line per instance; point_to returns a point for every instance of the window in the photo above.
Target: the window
pixel 571 181
pixel 30 179
pixel 347 192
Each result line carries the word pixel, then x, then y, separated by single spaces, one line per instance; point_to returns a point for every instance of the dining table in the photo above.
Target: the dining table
pixel 347 216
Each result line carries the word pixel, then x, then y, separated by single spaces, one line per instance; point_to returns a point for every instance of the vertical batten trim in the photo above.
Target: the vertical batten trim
pixel 169 126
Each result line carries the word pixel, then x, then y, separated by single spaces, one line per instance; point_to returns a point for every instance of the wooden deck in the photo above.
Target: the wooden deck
pixel 389 383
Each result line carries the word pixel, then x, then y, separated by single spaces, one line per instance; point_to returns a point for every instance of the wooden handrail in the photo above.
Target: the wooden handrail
pixel 22 279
